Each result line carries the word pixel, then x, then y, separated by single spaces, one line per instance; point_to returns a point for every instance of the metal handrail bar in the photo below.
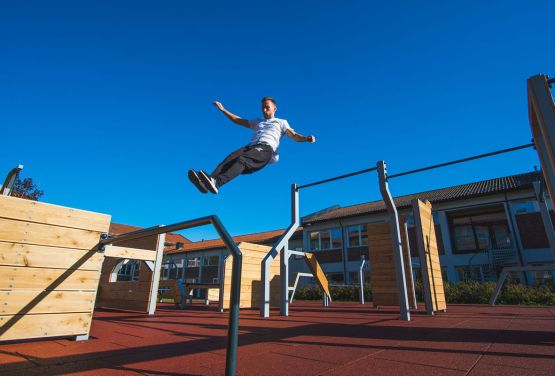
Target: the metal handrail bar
pixel 6 188
pixel 233 331
pixel 460 160
pixel 337 178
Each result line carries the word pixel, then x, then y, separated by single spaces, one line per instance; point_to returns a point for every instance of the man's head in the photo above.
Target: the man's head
pixel 268 107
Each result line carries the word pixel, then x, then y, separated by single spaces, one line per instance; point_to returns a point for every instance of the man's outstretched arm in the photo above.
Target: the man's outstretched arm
pixel 234 118
pixel 299 137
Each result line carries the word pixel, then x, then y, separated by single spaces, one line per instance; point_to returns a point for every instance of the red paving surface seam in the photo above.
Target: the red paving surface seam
pixel 344 339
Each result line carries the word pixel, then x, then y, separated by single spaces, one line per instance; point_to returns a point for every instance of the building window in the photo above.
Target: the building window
pixel 479 230
pixel 193 262
pixel 211 260
pixel 326 239
pixel 357 236
pixel 129 271
pixel 523 206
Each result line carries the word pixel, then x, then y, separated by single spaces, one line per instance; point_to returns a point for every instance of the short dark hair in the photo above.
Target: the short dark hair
pixel 269 99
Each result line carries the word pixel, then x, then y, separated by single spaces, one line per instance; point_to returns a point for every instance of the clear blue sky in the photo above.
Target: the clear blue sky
pixel 108 103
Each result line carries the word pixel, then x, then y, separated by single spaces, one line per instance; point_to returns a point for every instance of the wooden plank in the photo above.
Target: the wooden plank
pixel 14 254
pixel 40 212
pixel 47 279
pixel 13 302
pixel 382 265
pixel 427 238
pixel 44 325
pixel 129 253
pixel 39 234
pixel 317 272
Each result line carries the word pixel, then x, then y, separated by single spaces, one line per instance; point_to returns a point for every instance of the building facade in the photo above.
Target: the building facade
pixel 480 227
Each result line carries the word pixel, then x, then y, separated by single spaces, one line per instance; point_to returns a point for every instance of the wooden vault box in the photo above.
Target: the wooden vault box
pixel 384 283
pixel 251 285
pixel 49 269
pixel 382 266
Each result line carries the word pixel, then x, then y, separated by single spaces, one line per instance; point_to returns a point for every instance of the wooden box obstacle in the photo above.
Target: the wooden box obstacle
pixel 429 256
pixel 382 266
pixel 384 283
pixel 49 269
pixel 250 281
pixel 139 295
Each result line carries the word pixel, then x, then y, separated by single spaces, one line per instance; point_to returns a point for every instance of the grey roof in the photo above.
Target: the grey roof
pixel 465 191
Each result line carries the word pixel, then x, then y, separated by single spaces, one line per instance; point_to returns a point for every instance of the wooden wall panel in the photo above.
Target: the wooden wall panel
pixel 40 212
pixel 47 279
pixel 36 233
pixel 15 254
pixel 16 301
pixel 44 325
pixel 49 268
pixel 382 266
pixel 251 285
pixel 317 272
pixel 426 235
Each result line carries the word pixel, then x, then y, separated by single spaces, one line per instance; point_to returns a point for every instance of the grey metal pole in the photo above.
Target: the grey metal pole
pixel 546 218
pixel 282 242
pixel 395 241
pixel 156 273
pixel 284 256
pixel 361 278
pixel 541 109
pixel 423 258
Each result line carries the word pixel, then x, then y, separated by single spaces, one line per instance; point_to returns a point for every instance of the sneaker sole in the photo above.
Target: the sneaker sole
pixel 194 178
pixel 207 184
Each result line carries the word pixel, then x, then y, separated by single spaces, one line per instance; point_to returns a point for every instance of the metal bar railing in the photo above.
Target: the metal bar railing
pixel 11 178
pixel 337 178
pixel 461 160
pixel 233 331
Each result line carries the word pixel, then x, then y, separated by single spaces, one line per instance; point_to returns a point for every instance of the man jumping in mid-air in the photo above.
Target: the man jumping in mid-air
pixel 261 150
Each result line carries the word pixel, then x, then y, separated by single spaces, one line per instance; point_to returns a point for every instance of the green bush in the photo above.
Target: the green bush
pixel 469 292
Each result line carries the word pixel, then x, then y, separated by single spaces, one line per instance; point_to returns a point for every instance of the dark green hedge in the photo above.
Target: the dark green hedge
pixel 456 293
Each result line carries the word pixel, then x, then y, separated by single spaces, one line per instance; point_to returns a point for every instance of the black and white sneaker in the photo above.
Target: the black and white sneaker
pixel 194 178
pixel 208 181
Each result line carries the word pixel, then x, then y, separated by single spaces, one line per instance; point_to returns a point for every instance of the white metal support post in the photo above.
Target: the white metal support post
pixel 284 259
pixel 156 273
pixel 541 110
pixel 395 241
pixel 267 261
pixel 546 218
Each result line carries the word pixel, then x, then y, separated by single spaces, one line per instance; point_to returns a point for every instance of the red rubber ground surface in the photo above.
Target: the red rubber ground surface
pixel 344 339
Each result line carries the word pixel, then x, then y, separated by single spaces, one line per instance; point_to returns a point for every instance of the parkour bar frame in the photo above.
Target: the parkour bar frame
pixel 233 330
pixel 542 121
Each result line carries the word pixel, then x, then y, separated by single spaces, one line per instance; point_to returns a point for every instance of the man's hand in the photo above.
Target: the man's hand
pixel 311 139
pixel 219 105
pixel 234 118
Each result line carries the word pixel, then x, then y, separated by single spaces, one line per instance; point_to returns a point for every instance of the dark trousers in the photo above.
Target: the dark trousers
pixel 245 160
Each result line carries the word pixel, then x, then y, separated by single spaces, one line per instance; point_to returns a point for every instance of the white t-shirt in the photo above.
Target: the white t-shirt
pixel 269 131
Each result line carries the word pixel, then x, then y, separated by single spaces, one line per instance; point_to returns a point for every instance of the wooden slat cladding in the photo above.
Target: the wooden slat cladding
pixel 382 266
pixel 129 253
pixel 14 302
pixel 49 268
pixel 317 272
pixel 15 254
pixel 40 212
pixel 40 234
pixel 426 235
pixel 45 325
pixel 15 277
pixel 251 285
